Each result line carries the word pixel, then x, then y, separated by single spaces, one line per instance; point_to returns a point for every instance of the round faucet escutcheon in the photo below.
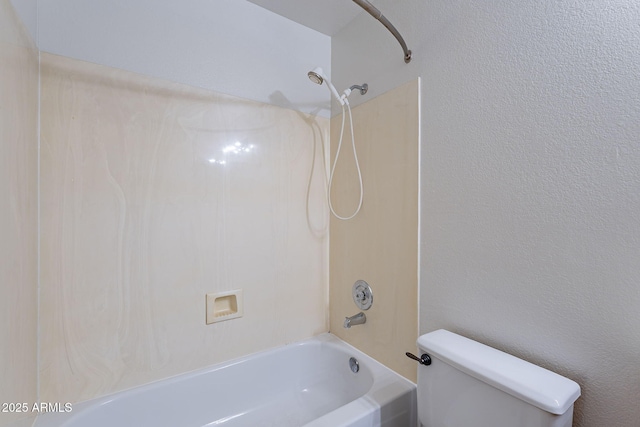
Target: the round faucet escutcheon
pixel 362 295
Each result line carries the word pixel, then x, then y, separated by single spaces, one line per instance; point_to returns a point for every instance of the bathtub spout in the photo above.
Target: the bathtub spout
pixel 358 319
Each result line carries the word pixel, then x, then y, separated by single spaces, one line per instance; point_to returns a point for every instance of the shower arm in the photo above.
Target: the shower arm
pixel 373 11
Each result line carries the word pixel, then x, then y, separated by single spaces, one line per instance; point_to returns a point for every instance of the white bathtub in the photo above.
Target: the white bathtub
pixel 308 384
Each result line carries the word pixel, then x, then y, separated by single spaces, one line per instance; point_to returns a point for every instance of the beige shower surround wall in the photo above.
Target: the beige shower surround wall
pixel 139 223
pixel 380 245
pixel 18 216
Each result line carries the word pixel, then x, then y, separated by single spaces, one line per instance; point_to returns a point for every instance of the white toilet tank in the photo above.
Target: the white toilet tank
pixel 471 384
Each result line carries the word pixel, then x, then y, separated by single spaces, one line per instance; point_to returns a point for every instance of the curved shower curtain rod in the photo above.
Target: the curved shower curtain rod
pixel 380 17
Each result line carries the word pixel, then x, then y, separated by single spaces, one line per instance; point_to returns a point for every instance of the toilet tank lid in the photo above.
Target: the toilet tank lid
pixel 531 383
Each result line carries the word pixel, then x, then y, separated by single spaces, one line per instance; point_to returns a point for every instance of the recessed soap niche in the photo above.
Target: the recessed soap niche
pixel 223 306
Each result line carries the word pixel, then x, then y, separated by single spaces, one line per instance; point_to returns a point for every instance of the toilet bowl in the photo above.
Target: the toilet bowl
pixel 470 384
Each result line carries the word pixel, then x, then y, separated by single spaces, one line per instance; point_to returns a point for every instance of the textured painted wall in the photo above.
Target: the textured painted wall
pixel 18 216
pixel 28 12
pixel 155 194
pixel 379 245
pixel 530 220
pixel 229 46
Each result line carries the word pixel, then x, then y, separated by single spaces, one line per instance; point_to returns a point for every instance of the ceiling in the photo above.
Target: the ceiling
pixel 325 16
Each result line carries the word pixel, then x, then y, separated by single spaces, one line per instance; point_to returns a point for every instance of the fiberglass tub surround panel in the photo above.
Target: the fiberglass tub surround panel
pixel 18 217
pixel 379 245
pixel 153 195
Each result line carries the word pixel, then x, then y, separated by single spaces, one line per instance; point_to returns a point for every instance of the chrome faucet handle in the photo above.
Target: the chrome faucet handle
pixel 362 295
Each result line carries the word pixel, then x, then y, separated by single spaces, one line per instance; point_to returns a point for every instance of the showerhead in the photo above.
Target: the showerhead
pixel 317 76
